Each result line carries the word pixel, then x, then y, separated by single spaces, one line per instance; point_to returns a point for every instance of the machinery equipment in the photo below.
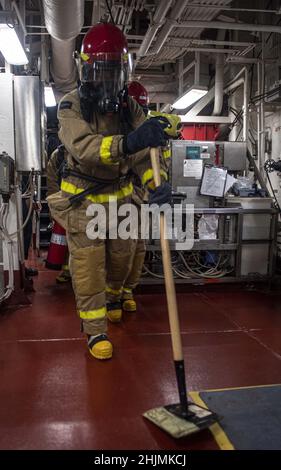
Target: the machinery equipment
pixel 234 235
pixel 7 169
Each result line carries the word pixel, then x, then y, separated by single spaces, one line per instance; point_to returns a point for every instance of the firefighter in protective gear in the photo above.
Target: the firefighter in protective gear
pixel 54 176
pixel 107 141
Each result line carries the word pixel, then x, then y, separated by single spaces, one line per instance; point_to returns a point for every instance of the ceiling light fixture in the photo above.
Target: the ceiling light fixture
pixel 194 94
pixel 11 47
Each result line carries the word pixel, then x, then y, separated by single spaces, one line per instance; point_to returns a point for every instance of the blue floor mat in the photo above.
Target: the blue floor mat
pixel 251 417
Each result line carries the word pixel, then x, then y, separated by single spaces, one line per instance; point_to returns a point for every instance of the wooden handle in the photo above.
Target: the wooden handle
pixel 168 273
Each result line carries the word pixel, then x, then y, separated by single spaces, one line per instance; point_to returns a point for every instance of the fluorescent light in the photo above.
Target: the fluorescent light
pixel 11 47
pixel 191 96
pixel 49 97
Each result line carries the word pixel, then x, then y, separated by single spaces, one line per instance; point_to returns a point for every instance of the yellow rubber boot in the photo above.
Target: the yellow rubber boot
pixel 114 311
pixel 64 276
pixel 100 347
pixel 128 302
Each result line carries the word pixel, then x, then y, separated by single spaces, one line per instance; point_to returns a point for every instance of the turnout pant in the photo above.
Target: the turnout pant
pixel 137 260
pixel 98 266
pixel 134 275
pixel 98 269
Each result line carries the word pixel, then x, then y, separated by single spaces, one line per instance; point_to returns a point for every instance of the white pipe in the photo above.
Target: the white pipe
pixel 234 85
pixel 197 68
pixel 238 75
pixel 63 67
pixel 96 12
pixel 3 225
pixel 246 107
pixel 219 85
pixel 266 28
pixel 156 24
pixel 262 148
pixel 180 70
pixel 259 116
pixel 64 20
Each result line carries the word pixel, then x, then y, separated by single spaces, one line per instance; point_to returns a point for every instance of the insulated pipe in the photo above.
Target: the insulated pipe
pixel 63 67
pixel 219 85
pixel 158 17
pixel 64 20
pixel 234 85
pixel 168 26
pixel 266 28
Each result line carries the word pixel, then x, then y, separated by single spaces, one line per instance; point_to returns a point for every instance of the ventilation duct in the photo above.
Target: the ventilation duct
pixel 64 20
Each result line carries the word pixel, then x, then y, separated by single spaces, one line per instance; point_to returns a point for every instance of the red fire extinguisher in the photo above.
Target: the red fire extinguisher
pixel 57 249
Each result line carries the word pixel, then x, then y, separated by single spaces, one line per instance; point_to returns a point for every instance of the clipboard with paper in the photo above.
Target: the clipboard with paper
pixel 214 181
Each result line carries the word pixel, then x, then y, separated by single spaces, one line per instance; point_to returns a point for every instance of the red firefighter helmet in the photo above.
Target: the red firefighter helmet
pixel 139 93
pixel 103 64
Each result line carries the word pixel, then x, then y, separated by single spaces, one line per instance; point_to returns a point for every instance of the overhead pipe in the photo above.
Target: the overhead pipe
pixel 218 103
pixel 246 107
pixel 64 20
pixel 158 17
pixel 219 83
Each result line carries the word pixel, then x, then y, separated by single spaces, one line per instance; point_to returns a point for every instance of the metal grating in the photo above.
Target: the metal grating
pixel 169 54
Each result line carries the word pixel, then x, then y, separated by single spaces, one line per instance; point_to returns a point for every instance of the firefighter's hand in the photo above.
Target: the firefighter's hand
pixel 160 195
pixel 149 134
pixel 172 122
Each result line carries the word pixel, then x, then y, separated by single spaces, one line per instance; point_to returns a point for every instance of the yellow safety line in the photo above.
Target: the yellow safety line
pixel 219 435
pixel 241 388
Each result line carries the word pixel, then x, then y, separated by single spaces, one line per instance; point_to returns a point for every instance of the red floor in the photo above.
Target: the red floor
pixel 53 395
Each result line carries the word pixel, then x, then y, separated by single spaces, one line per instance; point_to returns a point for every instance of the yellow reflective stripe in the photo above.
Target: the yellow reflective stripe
pixel 105 153
pixel 93 314
pixel 148 175
pixel 98 198
pixel 167 153
pixel 113 291
pixel 127 290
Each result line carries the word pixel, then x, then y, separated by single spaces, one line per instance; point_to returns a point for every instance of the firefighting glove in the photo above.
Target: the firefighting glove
pixel 173 125
pixel 149 134
pixel 161 195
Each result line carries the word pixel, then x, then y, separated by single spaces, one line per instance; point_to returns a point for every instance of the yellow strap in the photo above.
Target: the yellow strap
pixel 93 314
pixel 98 198
pixel 105 153
pixel 148 175
pixel 113 291
pixel 167 153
